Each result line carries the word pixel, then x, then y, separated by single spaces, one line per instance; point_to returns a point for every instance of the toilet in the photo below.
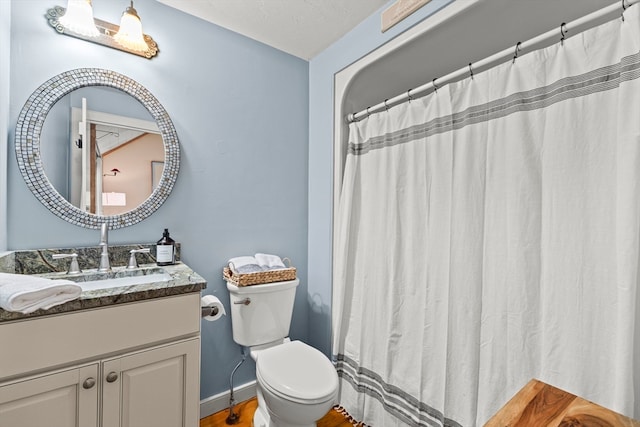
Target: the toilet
pixel 296 384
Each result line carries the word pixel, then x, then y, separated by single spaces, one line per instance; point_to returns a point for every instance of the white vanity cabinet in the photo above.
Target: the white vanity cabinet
pixel 125 365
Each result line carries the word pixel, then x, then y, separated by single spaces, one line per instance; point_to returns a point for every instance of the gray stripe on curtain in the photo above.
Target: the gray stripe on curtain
pixel 395 401
pixel 599 80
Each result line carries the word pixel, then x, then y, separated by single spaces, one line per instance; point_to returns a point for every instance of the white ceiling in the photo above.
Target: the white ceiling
pixel 302 28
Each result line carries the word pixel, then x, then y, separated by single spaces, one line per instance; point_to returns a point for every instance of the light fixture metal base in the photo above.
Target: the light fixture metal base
pixel 106 29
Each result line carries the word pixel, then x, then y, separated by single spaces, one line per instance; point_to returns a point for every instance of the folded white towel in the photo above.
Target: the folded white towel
pixel 26 294
pixel 241 261
pixel 244 264
pixel 269 262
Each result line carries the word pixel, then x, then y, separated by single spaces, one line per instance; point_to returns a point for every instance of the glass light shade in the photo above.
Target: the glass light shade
pixel 130 32
pixel 79 18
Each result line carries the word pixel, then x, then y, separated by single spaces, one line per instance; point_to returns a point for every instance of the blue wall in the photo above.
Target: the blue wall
pixel 241 112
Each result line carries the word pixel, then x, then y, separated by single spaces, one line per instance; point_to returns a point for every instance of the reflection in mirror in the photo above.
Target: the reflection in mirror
pixel 127 168
pixel 101 150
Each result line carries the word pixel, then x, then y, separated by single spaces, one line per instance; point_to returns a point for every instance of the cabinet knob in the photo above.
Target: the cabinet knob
pixel 111 377
pixel 89 383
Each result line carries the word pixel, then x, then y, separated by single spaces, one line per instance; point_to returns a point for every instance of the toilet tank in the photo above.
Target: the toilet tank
pixel 261 313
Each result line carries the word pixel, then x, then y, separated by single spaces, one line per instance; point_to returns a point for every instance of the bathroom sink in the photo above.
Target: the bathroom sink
pixel 117 282
pixel 122 278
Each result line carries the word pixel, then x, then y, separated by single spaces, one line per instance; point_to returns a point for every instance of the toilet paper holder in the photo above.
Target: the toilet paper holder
pixel 209 311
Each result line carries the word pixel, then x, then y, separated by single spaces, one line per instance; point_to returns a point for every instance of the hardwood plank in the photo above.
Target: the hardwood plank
pixel 246 409
pixel 516 405
pixel 585 413
pixel 549 404
pixel 542 405
pixel 335 419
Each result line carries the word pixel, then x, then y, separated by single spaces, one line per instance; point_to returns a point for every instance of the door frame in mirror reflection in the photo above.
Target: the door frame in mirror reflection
pixel 27 144
pixel 86 173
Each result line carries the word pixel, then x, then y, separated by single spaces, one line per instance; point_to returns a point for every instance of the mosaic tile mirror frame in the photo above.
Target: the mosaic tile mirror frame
pixel 27 144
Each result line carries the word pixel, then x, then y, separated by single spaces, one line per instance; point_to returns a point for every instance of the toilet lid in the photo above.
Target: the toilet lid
pixel 297 371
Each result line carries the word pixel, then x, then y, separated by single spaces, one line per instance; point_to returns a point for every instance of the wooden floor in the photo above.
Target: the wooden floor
pixel 246 409
pixel 536 405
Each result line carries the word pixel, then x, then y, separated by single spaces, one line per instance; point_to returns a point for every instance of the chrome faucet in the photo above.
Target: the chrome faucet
pixel 104 243
pixel 133 263
pixel 73 265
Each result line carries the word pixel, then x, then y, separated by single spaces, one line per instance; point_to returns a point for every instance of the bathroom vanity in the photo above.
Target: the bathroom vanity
pixel 125 355
pixel 127 352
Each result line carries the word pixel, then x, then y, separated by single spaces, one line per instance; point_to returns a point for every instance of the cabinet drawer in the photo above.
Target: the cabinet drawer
pixel 47 342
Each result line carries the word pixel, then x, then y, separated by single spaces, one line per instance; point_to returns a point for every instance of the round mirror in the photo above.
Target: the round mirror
pixel 95 146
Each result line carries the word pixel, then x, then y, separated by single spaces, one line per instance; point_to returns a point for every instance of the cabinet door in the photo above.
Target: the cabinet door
pixel 157 387
pixel 64 399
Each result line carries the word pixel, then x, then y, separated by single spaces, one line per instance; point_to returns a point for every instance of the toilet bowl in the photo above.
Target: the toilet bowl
pixel 297 384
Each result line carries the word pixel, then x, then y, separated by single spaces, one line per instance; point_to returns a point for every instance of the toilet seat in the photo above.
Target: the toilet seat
pixel 297 372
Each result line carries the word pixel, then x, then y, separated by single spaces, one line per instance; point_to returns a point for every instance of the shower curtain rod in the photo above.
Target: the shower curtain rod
pixel 510 53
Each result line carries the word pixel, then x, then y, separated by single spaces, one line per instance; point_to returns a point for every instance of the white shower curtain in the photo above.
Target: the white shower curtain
pixel 488 234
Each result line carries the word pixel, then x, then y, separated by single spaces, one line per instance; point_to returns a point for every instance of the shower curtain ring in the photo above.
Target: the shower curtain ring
pixel 386 107
pixel 433 82
pixel 516 52
pixel 470 70
pixel 563 32
pixel 623 9
pixel 409 95
pixel 368 113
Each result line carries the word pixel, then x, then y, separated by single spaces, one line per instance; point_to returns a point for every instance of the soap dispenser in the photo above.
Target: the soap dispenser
pixel 166 250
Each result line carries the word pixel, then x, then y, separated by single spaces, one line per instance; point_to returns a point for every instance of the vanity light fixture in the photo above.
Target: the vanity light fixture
pixel 130 33
pixel 77 21
pixel 79 18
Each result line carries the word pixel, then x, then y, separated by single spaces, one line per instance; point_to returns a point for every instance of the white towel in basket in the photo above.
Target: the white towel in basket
pixel 269 262
pixel 244 264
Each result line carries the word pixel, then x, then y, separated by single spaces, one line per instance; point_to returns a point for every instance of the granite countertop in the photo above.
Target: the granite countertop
pixel 182 280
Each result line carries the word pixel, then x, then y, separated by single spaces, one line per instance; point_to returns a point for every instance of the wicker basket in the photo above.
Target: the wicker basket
pixel 259 277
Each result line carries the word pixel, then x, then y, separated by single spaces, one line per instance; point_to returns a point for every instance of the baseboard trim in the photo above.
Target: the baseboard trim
pixel 220 401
